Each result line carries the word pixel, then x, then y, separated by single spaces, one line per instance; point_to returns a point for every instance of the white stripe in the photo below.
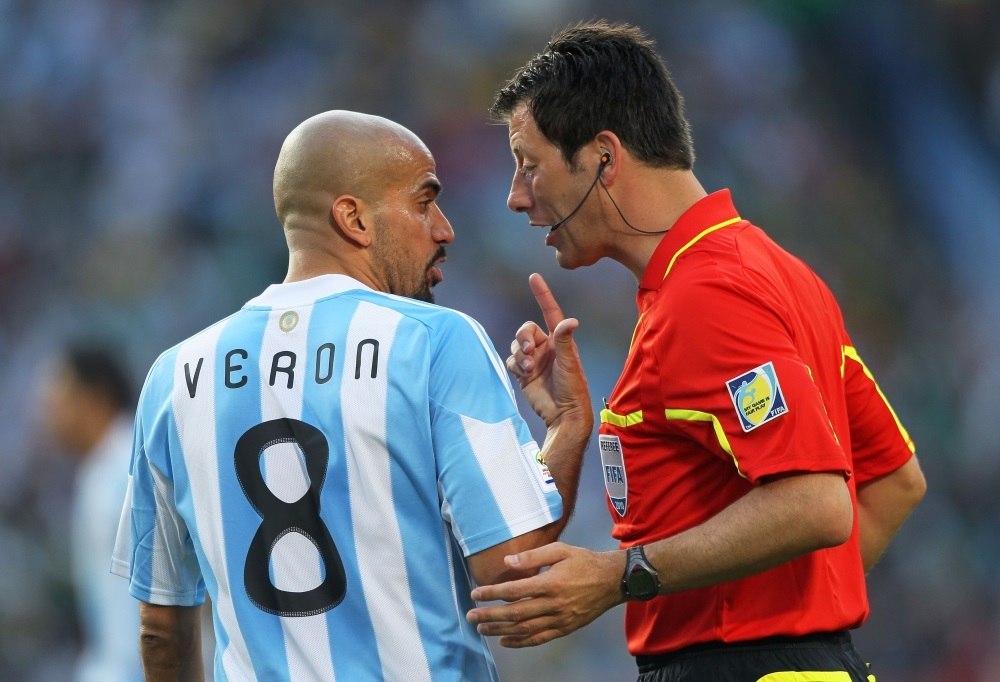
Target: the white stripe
pixel 449 518
pixel 307 641
pixel 196 429
pixel 378 541
pixel 516 490
pixel 121 558
pixel 169 528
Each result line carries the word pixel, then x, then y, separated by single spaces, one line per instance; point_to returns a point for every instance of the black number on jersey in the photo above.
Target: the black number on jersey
pixel 279 518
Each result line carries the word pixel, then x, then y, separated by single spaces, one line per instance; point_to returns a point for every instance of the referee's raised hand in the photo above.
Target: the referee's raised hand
pixel 546 362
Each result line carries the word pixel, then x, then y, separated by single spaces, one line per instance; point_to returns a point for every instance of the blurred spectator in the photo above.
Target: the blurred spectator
pixel 88 406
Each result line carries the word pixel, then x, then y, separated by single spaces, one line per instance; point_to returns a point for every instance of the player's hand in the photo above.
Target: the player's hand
pixel 546 362
pixel 579 586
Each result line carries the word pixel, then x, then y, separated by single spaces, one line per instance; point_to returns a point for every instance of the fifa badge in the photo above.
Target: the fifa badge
pixel 757 396
pixel 613 463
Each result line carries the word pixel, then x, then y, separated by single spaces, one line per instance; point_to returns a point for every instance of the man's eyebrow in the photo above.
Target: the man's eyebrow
pixel 433 185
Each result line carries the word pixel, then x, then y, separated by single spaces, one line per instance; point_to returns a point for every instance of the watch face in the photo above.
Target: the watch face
pixel 641 584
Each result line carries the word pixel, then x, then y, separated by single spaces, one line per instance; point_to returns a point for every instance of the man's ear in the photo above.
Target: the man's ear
pixel 352 218
pixel 607 142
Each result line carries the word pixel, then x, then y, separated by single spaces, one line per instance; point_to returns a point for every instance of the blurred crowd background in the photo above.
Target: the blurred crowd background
pixel 137 142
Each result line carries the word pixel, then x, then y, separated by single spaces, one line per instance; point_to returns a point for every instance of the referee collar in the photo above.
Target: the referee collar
pixel 304 292
pixel 706 215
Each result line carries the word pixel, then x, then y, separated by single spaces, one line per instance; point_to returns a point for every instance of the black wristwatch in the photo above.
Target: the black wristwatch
pixel 640 582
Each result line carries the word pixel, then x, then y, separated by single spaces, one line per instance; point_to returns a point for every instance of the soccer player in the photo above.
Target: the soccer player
pixel 754 469
pixel 89 402
pixel 336 462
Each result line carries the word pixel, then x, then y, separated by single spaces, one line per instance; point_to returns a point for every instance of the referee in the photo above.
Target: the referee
pixel 754 469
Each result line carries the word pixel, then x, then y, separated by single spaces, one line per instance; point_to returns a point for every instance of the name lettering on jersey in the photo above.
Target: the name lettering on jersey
pixel 232 367
pixel 357 365
pixel 193 383
pixel 757 396
pixel 286 363
pixel 288 370
pixel 615 480
pixel 324 362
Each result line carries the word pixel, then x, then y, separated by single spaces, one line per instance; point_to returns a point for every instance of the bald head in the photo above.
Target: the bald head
pixel 336 153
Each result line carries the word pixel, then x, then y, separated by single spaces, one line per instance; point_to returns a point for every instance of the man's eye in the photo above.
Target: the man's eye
pixel 527 171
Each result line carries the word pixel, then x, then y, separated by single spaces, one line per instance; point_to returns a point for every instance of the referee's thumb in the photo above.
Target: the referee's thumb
pixel 563 333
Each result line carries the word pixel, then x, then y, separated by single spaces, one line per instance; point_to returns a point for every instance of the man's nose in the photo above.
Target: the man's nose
pixel 443 232
pixel 519 199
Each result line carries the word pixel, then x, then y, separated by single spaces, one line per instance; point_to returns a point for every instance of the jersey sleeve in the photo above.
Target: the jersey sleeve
pixel 492 484
pixel 744 376
pixel 153 548
pixel 879 442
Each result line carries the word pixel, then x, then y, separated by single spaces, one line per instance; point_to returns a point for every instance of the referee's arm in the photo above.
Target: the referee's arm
pixel 883 505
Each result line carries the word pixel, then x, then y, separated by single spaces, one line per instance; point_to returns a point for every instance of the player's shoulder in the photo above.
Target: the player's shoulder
pixel 437 319
pixel 162 370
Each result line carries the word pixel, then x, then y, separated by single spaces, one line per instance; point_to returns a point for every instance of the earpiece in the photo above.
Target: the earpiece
pixel 605 158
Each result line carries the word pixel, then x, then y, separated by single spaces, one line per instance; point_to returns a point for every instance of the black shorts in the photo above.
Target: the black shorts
pixel 813 658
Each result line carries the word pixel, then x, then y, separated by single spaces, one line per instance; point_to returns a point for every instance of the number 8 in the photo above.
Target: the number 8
pixel 279 518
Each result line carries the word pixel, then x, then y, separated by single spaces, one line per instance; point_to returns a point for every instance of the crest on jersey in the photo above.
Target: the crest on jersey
pixel 757 396
pixel 613 464
pixel 288 320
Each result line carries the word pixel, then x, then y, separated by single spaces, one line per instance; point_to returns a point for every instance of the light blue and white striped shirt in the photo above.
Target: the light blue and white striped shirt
pixel 320 462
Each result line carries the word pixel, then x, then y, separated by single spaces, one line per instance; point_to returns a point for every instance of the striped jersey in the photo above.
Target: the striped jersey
pixel 321 462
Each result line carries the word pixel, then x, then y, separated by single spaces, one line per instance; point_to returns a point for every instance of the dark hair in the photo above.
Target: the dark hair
pixel 98 367
pixel 598 76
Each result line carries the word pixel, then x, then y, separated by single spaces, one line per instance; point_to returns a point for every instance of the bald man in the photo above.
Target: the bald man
pixel 339 461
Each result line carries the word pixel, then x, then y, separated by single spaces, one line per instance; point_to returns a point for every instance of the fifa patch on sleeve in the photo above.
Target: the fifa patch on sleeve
pixel 757 396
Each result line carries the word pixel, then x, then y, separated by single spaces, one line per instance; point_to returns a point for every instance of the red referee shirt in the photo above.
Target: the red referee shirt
pixel 740 368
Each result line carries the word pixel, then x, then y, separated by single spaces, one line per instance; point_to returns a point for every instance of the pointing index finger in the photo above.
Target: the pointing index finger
pixel 551 312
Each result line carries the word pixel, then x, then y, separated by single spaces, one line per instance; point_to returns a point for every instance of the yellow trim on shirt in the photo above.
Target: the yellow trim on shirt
pixel 808 676
pixel 635 331
pixel 701 234
pixel 852 353
pixel 720 433
pixel 622 420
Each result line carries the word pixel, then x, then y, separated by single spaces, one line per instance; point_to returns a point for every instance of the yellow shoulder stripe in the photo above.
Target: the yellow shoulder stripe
pixel 808 676
pixel 852 353
pixel 720 433
pixel 623 420
pixel 701 234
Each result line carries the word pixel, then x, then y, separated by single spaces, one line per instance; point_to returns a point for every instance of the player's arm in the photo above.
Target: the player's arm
pixel 883 505
pixel 562 452
pixel 549 371
pixel 780 519
pixel 170 643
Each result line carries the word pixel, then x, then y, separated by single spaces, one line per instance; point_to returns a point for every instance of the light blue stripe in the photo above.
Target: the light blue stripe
pixel 451 643
pixel 352 639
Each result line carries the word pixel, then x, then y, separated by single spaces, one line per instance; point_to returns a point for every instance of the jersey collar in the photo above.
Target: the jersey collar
pixel 287 295
pixel 708 214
